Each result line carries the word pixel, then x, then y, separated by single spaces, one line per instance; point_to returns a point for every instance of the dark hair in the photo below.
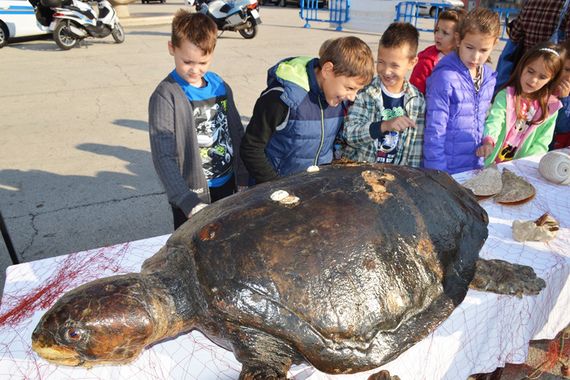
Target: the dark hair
pixel 452 14
pixel 350 56
pixel 196 28
pixel 553 60
pixel 399 34
pixel 480 20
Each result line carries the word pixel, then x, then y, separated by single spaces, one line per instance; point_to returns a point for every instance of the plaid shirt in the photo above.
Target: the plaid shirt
pixel 367 109
pixel 537 22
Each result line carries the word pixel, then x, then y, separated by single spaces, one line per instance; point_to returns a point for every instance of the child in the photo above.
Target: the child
pixel 562 130
pixel 195 128
pixel 445 43
pixel 459 93
pixel 386 122
pixel 296 119
pixel 522 118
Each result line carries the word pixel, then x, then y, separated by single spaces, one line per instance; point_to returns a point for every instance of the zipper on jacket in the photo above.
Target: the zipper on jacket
pixel 316 162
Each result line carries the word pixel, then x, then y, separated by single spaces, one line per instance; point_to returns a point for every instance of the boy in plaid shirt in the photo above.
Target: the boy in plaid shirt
pixel 386 122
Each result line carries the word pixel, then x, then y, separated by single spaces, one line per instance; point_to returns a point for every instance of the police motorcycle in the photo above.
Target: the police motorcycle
pixel 72 20
pixel 238 16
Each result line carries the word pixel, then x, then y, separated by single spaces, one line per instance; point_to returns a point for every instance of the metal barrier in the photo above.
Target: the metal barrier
pixel 506 15
pixel 337 12
pixel 411 11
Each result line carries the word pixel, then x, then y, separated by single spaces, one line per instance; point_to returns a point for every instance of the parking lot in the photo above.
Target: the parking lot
pixel 75 165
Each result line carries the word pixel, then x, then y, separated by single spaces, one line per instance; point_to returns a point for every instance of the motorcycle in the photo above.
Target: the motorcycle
pixel 237 16
pixel 72 20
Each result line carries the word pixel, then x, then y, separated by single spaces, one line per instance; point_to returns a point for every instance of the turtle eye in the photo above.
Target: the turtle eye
pixel 72 334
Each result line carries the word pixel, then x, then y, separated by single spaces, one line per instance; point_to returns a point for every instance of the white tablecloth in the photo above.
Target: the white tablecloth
pixel 486 331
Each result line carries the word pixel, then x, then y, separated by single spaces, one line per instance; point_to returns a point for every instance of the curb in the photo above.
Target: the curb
pixel 146 21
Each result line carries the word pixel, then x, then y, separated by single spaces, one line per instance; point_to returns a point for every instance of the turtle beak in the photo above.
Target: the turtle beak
pixel 57 354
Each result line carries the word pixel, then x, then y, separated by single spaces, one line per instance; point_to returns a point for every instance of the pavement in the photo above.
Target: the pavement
pixel 75 165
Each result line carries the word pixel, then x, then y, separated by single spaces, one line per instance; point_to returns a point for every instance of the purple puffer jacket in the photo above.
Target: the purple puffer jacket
pixel 455 116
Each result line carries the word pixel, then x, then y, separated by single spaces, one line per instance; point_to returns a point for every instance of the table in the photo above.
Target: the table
pixel 486 331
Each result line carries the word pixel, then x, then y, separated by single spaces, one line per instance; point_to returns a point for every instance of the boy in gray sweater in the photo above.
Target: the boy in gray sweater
pixel 195 128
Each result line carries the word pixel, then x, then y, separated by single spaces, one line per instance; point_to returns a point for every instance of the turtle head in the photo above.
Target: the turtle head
pixel 107 321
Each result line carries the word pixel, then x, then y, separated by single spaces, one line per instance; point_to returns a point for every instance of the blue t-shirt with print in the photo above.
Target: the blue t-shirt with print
pixel 210 113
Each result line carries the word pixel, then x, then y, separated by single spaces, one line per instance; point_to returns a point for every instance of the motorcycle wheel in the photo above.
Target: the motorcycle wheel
pixel 63 37
pixel 3 35
pixel 249 32
pixel 118 33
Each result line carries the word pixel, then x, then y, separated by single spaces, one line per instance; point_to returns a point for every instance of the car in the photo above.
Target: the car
pixel 17 19
pixel 432 8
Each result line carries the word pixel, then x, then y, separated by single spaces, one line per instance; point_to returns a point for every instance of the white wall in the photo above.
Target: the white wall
pixel 371 15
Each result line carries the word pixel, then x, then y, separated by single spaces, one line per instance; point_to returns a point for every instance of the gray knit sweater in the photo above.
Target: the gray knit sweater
pixel 174 145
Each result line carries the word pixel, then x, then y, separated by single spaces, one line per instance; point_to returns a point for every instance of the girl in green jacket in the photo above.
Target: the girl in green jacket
pixel 523 115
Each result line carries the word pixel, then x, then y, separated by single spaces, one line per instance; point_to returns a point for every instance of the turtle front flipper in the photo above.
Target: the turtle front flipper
pixel 502 277
pixel 263 357
pixel 382 375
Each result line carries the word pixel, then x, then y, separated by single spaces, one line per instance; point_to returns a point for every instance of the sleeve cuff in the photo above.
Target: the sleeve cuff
pixel 375 130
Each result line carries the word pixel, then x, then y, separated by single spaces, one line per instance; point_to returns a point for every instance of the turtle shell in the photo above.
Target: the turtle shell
pixel 364 262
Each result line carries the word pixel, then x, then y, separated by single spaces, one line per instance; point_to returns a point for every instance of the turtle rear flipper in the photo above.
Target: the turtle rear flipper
pixel 263 357
pixel 502 277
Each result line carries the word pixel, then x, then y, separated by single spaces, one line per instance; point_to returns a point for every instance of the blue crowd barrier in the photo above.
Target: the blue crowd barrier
pixel 506 15
pixel 336 13
pixel 410 11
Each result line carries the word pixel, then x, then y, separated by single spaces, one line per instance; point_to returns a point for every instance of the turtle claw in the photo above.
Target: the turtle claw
pixel 502 277
pixel 259 374
pixel 382 375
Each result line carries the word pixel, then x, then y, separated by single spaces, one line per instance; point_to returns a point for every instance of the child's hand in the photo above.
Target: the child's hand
pixel 484 150
pixel 397 124
pixel 563 89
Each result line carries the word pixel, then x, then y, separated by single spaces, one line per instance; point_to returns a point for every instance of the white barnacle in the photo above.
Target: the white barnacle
pixel 290 200
pixel 279 195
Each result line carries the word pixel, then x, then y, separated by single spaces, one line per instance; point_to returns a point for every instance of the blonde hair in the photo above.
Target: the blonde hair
pixel 480 20
pixel 196 28
pixel 350 56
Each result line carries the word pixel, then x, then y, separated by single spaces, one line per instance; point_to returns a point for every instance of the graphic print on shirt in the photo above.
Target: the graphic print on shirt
pixel 387 144
pixel 214 139
pixel 517 133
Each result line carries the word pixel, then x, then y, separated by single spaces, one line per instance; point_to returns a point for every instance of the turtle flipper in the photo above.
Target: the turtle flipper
pixel 263 357
pixel 502 277
pixel 382 375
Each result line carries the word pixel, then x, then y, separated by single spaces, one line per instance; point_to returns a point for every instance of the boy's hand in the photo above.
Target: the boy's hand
pixel 563 89
pixel 484 150
pixel 397 124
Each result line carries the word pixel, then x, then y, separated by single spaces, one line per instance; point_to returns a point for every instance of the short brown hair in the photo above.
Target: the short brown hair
pixel 452 14
pixel 196 28
pixel 350 56
pixel 480 20
pixel 400 34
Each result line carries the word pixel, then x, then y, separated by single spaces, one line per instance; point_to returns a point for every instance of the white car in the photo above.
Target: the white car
pixel 431 7
pixel 17 19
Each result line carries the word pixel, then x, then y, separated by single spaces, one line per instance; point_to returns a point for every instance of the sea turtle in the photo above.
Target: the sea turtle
pixel 343 268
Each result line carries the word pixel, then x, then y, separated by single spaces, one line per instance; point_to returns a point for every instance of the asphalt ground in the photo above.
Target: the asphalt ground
pixel 75 164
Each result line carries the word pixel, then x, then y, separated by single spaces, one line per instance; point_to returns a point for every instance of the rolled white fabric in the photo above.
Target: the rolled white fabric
pixel 555 166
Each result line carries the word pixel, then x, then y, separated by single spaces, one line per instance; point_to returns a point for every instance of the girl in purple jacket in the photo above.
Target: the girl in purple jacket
pixel 459 92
